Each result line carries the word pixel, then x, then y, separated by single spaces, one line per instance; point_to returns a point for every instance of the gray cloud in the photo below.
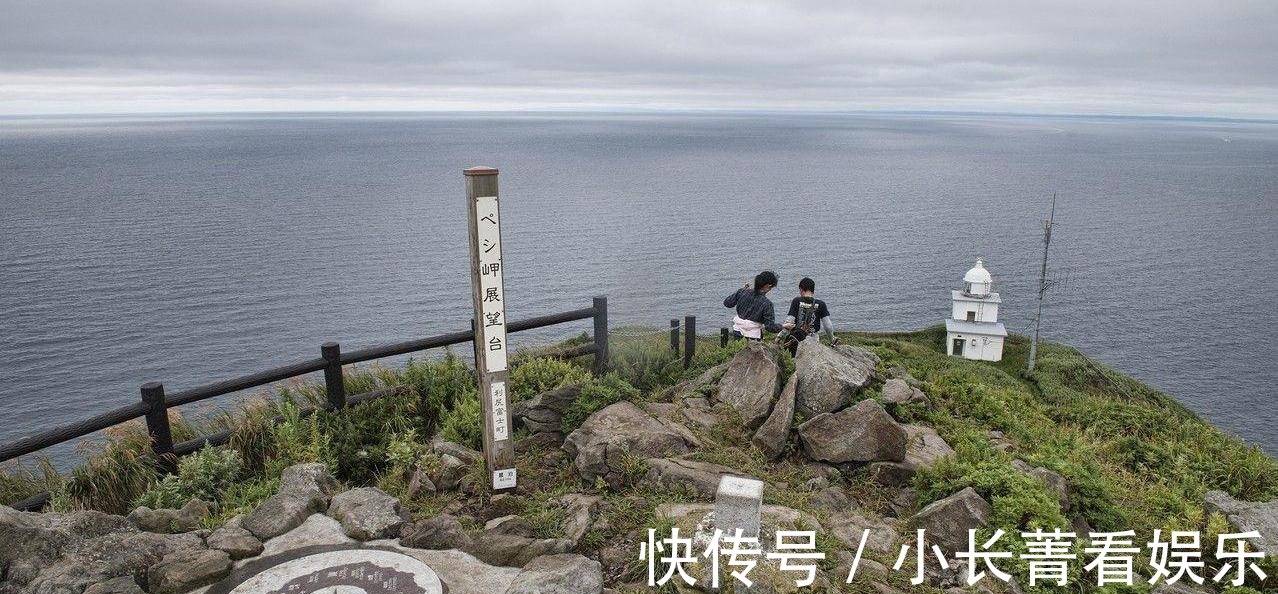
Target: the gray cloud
pixel 1166 57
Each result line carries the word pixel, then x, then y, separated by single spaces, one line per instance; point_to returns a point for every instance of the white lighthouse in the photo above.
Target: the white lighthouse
pixel 973 330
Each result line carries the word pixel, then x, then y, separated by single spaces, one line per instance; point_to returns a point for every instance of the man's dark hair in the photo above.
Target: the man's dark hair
pixel 807 284
pixel 763 279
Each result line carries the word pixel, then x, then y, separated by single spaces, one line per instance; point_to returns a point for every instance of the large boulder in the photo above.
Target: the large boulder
pixel 699 477
pixel 751 383
pixel 948 520
pixel 304 489
pixel 544 412
pixel 184 571
pixel 579 514
pixel 829 377
pixel 512 550
pixel 1246 516
pixel 924 447
pixel 440 532
pixel 465 574
pixel 317 530
pixel 861 433
pixel 367 513
pixel 849 526
pixel 899 391
pixel 235 541
pixel 91 560
pixel 171 521
pixel 559 574
pixel 612 437
pixel 773 433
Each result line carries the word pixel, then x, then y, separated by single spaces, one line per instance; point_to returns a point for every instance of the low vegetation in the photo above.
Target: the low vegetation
pixel 1135 458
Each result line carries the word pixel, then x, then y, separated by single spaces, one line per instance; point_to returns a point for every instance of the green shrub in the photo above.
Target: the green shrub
pixel 1019 501
pixel 463 424
pixel 540 375
pixel 595 395
pixel 204 475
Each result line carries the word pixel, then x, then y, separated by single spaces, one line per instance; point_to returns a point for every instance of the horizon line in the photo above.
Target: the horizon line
pixel 639 111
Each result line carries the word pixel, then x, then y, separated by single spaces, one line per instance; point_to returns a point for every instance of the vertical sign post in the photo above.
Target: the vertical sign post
pixel 490 322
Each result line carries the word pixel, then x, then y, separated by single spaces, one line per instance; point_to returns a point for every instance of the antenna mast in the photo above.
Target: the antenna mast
pixel 1044 283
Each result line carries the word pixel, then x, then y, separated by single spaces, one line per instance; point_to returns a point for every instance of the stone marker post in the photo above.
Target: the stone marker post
pixel 738 504
pixel 484 221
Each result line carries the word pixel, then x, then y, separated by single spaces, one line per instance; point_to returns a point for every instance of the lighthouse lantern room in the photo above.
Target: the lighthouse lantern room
pixel 973 330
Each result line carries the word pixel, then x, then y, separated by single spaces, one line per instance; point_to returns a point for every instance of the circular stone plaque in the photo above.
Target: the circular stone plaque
pixel 342 569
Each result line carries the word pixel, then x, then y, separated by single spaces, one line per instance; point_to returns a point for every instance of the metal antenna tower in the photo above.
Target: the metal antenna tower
pixel 1044 283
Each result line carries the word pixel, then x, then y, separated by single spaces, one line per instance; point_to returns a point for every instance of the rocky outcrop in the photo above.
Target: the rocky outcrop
pixel 605 443
pixel 235 541
pixel 701 478
pixel 849 526
pixel 751 383
pixel 367 513
pixel 924 447
pixel 898 391
pixel 440 532
pixel 171 521
pixel 559 573
pixel 304 490
pixel 861 433
pixel 1246 516
pixel 510 550
pixel 184 571
pixel 829 377
pixel 544 412
pixel 948 520
pixel 774 432
pixel 579 514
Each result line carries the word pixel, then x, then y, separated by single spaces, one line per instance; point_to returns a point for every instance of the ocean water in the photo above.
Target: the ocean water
pixel 192 249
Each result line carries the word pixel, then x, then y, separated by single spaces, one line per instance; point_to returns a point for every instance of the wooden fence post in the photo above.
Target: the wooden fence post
pixel 333 383
pixel 689 340
pixel 674 336
pixel 601 335
pixel 723 337
pixel 157 425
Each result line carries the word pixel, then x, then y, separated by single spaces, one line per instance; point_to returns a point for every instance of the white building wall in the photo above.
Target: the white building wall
pixel 985 311
pixel 976 347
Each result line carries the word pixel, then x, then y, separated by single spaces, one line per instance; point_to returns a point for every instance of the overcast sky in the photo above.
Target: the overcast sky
pixel 1173 57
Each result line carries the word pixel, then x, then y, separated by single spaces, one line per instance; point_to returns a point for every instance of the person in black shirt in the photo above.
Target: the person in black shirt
pixel 806 317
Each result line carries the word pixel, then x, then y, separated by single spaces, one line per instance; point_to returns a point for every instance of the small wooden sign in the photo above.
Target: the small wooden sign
pixel 491 348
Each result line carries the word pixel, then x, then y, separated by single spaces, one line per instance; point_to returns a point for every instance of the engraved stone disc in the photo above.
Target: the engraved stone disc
pixel 341 569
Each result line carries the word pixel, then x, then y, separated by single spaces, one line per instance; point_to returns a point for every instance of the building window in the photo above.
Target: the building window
pixel 971 316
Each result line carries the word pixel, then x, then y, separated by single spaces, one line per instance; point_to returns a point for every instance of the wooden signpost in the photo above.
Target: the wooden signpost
pixel 484 216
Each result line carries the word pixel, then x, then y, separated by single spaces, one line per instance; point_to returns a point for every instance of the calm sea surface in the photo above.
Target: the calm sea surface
pixel 189 250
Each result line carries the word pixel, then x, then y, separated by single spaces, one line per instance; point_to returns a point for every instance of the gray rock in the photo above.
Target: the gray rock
pixel 829 378
pixel 461 452
pixel 237 542
pixel 465 574
pixel 897 391
pixel 948 520
pixel 702 385
pixel 184 571
pixel 1246 516
pixel 282 512
pixel 510 550
pixel 1179 587
pixel 419 483
pixel 774 432
pixel 861 433
pixel 830 499
pixel 451 471
pixel 1056 483
pixel 512 524
pixel 751 383
pixel 28 535
pixel 700 477
pixel 171 521
pixel 117 554
pixel 367 513
pixel 602 446
pixel 317 530
pixel 544 412
pixel 579 513
pixel 924 447
pixel 848 527
pixel 440 532
pixel 120 585
pixel 304 479
pixel 903 503
pixel 559 574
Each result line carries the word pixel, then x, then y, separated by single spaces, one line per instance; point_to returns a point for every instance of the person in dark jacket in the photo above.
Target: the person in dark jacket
pixel 754 310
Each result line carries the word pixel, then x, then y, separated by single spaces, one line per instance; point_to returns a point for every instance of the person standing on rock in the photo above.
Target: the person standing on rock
pixel 807 315
pixel 754 310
